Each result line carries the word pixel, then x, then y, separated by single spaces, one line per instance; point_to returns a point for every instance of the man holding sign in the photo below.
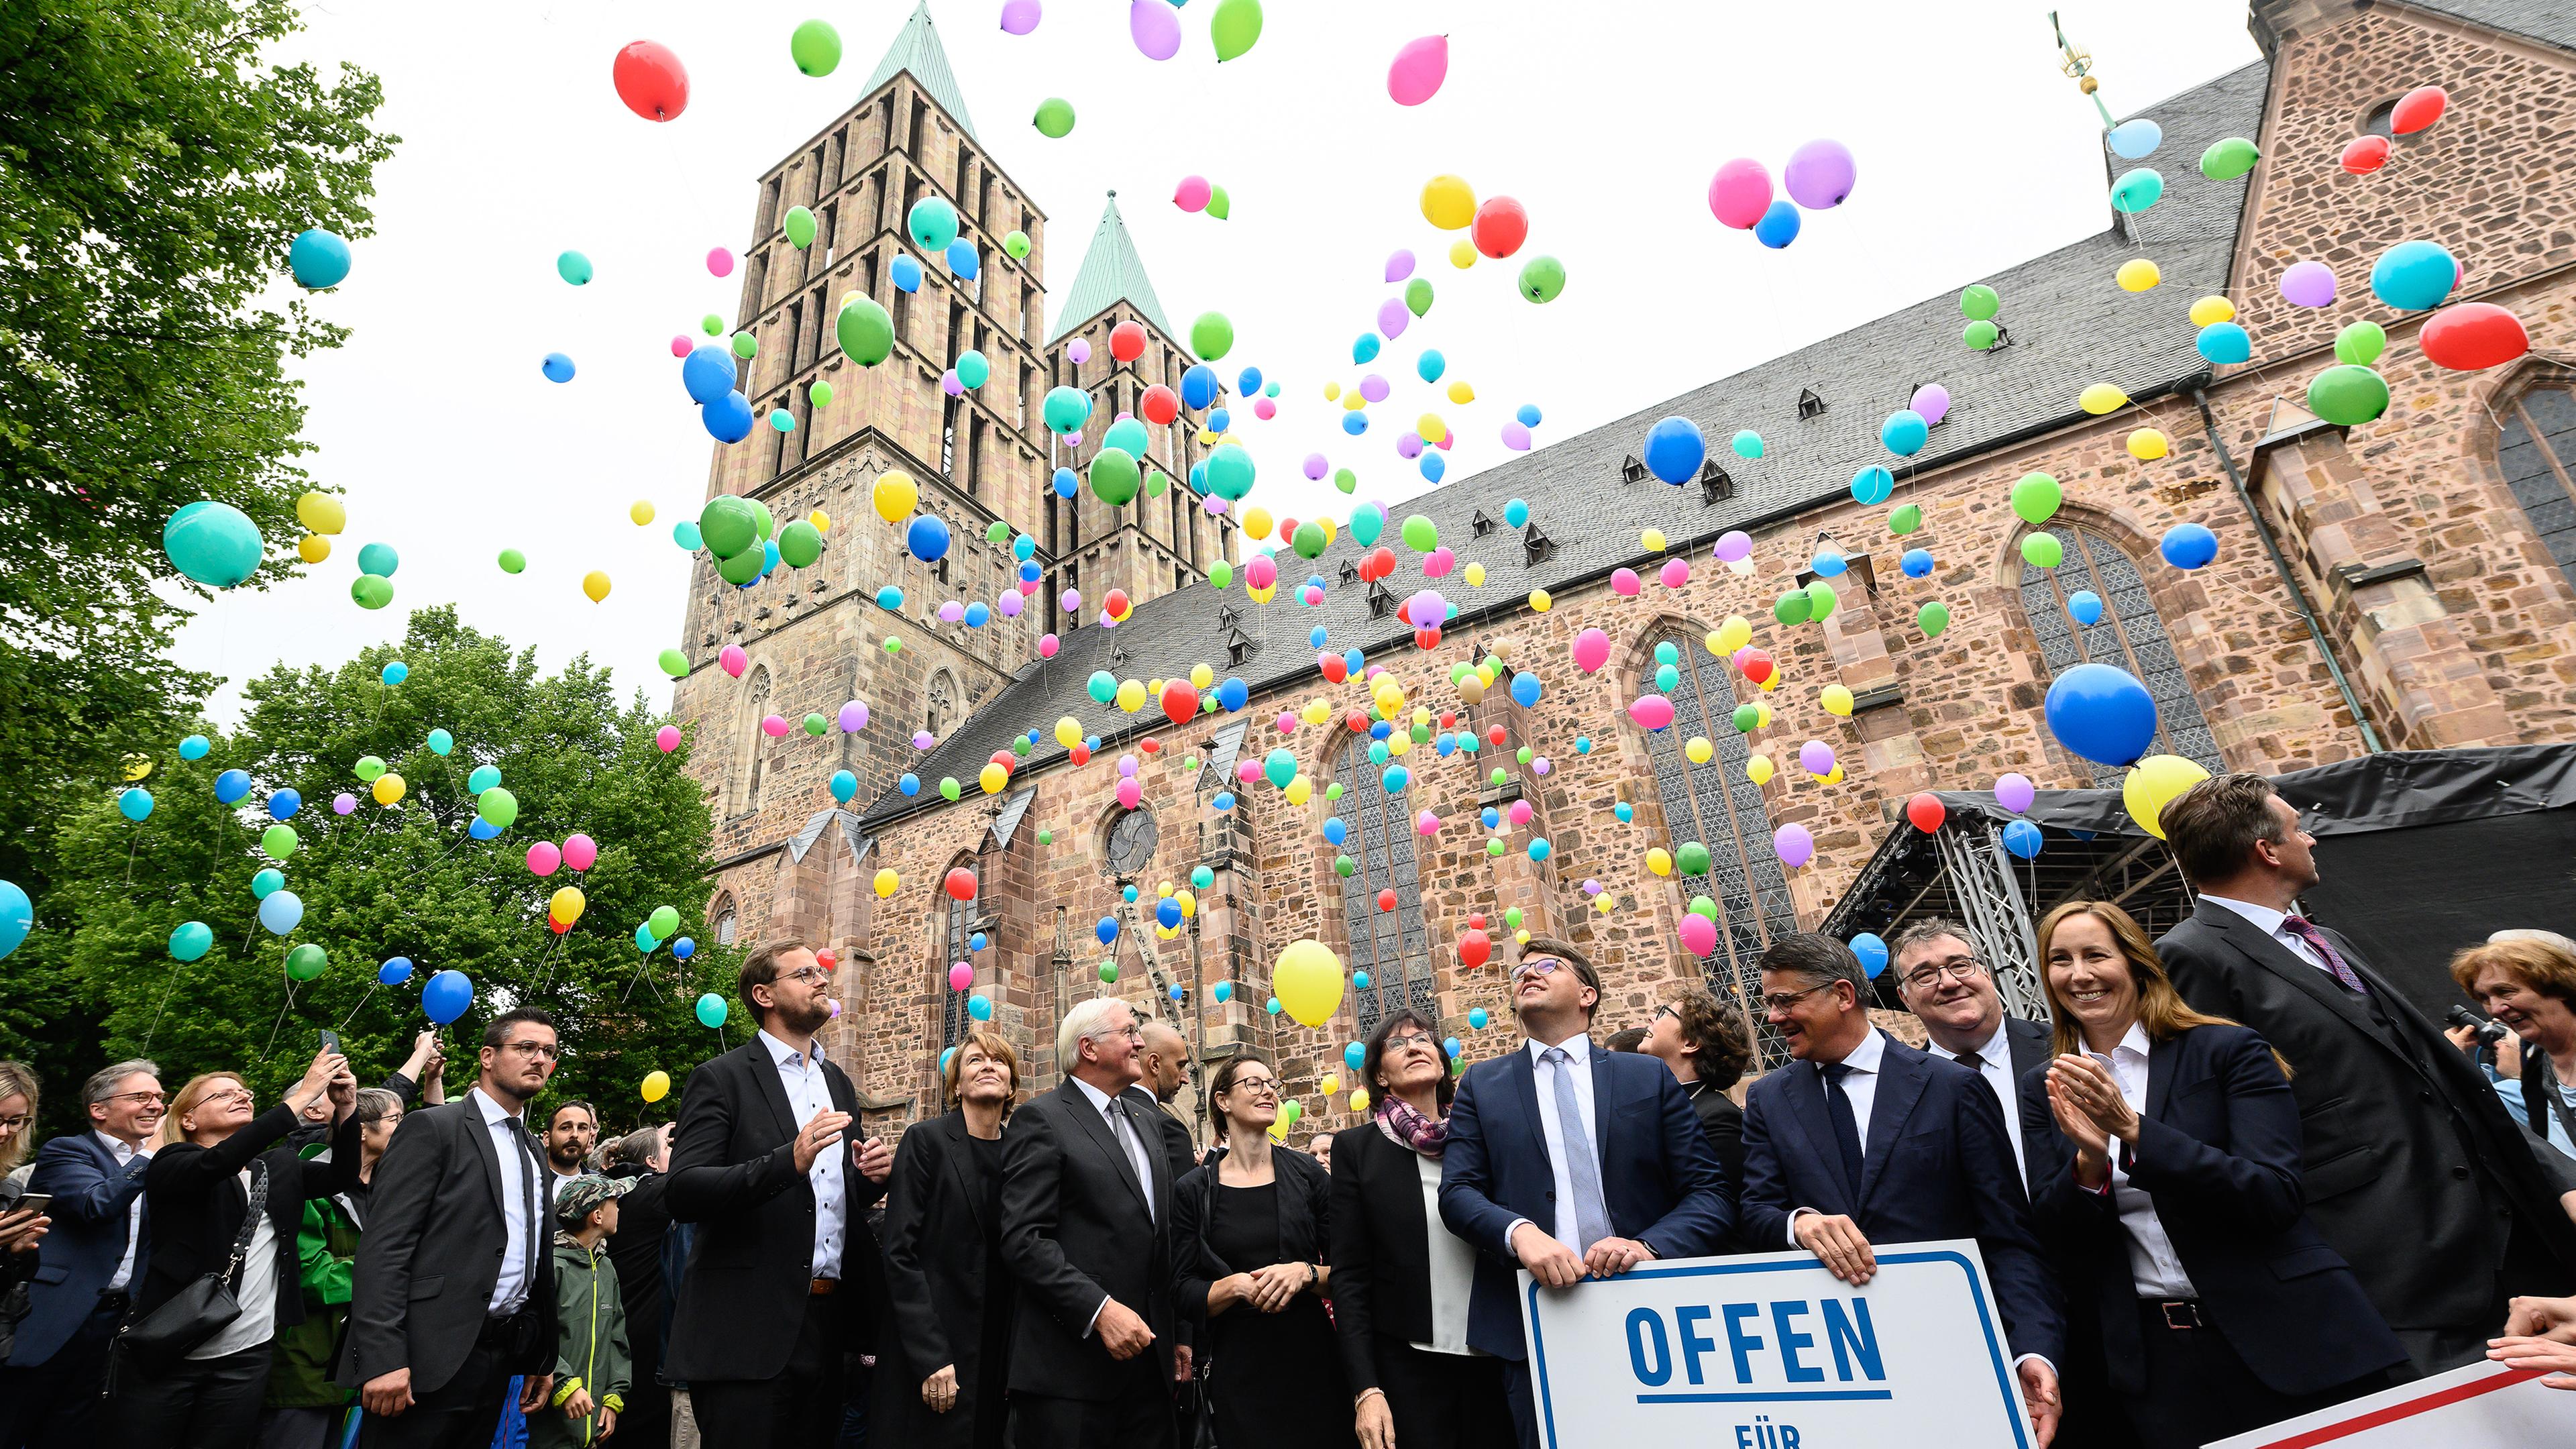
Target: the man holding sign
pixel 1866 1140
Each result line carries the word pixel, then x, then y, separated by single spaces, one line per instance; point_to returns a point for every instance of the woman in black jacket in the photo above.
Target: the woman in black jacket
pixel 1401 1279
pixel 197 1195
pixel 940 1385
pixel 1250 1231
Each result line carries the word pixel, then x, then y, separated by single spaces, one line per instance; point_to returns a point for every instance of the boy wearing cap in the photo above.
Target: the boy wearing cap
pixel 592 1366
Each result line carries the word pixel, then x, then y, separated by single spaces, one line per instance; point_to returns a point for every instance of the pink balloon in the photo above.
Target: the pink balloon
pixel 774 726
pixel 2308 284
pixel 668 737
pixel 733 660
pixel 1734 546
pixel 1441 561
pixel 1651 711
pixel 854 716
pixel 1156 28
pixel 1591 651
pixel 1816 757
pixel 1739 193
pixel 681 346
pixel 1247 771
pixel 1399 266
pixel 1286 723
pixel 1418 70
pixel 719 261
pixel 1624 583
pixel 1262 572
pixel 1078 352
pixel 543 858
pixel 1130 794
pixel 1019 17
pixel 1048 645
pixel 1193 192
pixel 1426 823
pixel 1699 934
pixel 580 851
pixel 1264 409
pixel 1674 573
pixel 1392 318
pixel 2014 793
pixel 1931 401
pixel 1516 437
pixel 1794 845
pixel 960 976
pixel 1520 812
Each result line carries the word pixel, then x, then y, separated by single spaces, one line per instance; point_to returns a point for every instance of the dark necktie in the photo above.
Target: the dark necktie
pixel 1972 1061
pixel 2306 930
pixel 1838 1109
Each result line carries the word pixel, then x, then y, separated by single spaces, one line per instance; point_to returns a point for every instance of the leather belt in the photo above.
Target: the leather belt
pixel 823 1287
pixel 2179 1312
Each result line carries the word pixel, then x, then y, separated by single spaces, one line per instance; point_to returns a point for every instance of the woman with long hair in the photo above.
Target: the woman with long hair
pixel 20 1232
pixel 942 1386
pixel 1401 1279
pixel 2173 1204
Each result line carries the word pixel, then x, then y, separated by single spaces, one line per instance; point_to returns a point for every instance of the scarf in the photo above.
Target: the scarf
pixel 1406 1127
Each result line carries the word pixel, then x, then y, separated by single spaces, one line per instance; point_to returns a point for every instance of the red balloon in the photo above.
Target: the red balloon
pixel 1127 341
pixel 825 959
pixel 1358 722
pixel 560 926
pixel 1926 811
pixel 1380 563
pixel 1158 403
pixel 1335 667
pixel 1476 922
pixel 1116 604
pixel 1495 737
pixel 1448 719
pixel 2466 336
pixel 651 81
pixel 2417 109
pixel 1079 754
pixel 1426 638
pixel 1501 225
pixel 1474 947
pixel 2365 154
pixel 1150 745
pixel 1758 666
pixel 1386 900
pixel 1286 528
pixel 1180 701
pixel 960 883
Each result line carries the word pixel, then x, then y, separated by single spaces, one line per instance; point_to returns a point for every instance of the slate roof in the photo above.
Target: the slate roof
pixel 1111 273
pixel 2553 21
pixel 917 49
pixel 2069 325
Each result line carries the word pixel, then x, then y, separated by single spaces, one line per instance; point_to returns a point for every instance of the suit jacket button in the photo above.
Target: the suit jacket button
pixel 2459 1171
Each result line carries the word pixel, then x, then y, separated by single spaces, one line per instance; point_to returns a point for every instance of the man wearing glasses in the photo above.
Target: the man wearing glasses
pixel 1570 1162
pixel 454 1286
pixel 85 1267
pixel 1940 980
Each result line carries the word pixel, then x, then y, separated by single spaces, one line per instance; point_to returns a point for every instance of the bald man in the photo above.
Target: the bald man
pixel 1166 1054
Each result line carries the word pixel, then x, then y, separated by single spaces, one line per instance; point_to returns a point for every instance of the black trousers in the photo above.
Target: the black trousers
pixel 196 1403
pixel 2198 1390
pixel 460 1414
pixel 1136 1415
pixel 54 1404
pixel 1523 1398
pixel 800 1408
pixel 1443 1400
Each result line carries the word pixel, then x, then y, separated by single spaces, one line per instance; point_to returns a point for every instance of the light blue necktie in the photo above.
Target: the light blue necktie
pixel 1591 1218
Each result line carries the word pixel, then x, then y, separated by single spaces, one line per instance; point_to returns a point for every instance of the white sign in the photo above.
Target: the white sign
pixel 2481 1404
pixel 1773 1352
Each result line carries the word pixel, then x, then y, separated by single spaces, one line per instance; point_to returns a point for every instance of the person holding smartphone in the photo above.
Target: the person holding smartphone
pixel 22 1214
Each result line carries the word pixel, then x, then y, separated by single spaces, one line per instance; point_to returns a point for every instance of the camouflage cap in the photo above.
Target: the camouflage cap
pixel 582 1196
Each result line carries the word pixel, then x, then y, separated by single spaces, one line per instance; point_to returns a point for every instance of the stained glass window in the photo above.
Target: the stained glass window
pixel 962 916
pixel 2128 635
pixel 2537 452
pixel 1391 946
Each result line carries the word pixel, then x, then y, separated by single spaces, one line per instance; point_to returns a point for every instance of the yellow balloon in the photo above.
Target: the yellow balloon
pixel 1659 860
pixel 1475 575
pixel 2147 445
pixel 1256 522
pixel 595 584
pixel 1448 203
pixel 137 767
pixel 894 495
pixel 2211 310
pixel 1202 677
pixel 1208 437
pixel 822 521
pixel 1068 731
pixel 886 881
pixel 1360 1100
pixel 657 1085
pixel 1836 777
pixel 313 548
pixel 1329 527
pixel 1772 683
pixel 2101 398
pixel 1603 903
pixel 1315 712
pixel 1352 402
pixel 1399 745
pixel 1308 982
pixel 2152 784
pixel 1460 393
pixel 1541 601
pixel 1652 540
pixel 1709 640
pixel 1300 790
pixel 1837 700
pixel 566 904
pixel 1734 634
pixel 1329 1085
pixel 1762 713
pixel 1189 904
pixel 641 510
pixel 1699 749
pixel 1462 254
pixel 1431 428
pixel 389 788
pixel 1757 768
pixel 2137 274
pixel 1520 938
pixel 1262 596
pixel 1131 696
pixel 321 513
pixel 993 777
pixel 1332 390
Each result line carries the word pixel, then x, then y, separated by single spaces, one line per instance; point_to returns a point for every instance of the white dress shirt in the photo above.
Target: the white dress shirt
pixel 1453 1268
pixel 510 1140
pixel 1996 1059
pixel 808 1093
pixel 1860 1084
pixel 2155 1270
pixel 125 1153
pixel 2268 921
pixel 1578 1061
pixel 257 1293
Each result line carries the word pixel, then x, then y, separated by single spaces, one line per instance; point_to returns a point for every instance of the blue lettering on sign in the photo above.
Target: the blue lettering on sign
pixel 1862 1341
pixel 1694 1342
pixel 1662 1372
pixel 1791 1341
pixel 1763 1434
pixel 1766 1370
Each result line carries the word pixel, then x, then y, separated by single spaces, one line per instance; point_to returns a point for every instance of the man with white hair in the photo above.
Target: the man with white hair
pixel 1086 1229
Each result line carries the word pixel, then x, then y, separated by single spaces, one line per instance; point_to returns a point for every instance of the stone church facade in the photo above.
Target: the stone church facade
pixel 2405 583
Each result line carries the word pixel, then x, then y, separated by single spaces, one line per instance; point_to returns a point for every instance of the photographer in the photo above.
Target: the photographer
pixel 2527 981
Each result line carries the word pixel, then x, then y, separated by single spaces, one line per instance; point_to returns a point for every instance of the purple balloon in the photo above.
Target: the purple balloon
pixel 1078 351
pixel 343 803
pixel 1392 318
pixel 1819 175
pixel 2308 284
pixel 1373 387
pixel 1816 757
pixel 923 739
pixel 1155 27
pixel 1399 266
pixel 2014 793
pixel 1734 547
pixel 1010 604
pixel 1019 17
pixel 1071 600
pixel 1794 845
pixel 1317 465
pixel 854 717
pixel 1932 401
pixel 1516 437
pixel 950 383
pixel 1426 610
pixel 1409 446
pixel 951 611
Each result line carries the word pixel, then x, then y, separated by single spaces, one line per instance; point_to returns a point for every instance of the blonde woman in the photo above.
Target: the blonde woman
pixel 20 1232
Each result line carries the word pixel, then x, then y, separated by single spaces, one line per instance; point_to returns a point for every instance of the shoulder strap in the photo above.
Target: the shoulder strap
pixel 250 1219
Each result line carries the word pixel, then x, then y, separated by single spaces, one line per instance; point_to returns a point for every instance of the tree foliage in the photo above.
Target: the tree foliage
pixel 384 881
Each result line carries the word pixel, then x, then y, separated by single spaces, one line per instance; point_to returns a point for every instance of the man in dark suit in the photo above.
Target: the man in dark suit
pixel 778 1283
pixel 1570 1162
pixel 1086 1231
pixel 1866 1140
pixel 1940 980
pixel 2412 1169
pixel 454 1288
pixel 88 1264
pixel 1165 1054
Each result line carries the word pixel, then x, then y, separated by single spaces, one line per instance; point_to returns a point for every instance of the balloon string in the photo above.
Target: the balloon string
pixel 129 855
pixel 361 1006
pixel 166 994
pixel 281 1018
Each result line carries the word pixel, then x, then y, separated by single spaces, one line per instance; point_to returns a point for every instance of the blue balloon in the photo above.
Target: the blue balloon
pixel 1450 1045
pixel 2021 837
pixel 978 614
pixel 1516 512
pixel 1583 744
pixel 1675 450
pixel 684 948
pixel 1829 563
pixel 281 911
pixel 194 747
pixel 1316 636
pixel 283 804
pixel 1233 694
pixel 2414 276
pixel 1106 930
pixel 1476 1017
pixel 728 419
pixel 2134 140
pixel 1918 563
pixel 707 373
pixel 1024 547
pixel 1778 226
pixel 318 259
pixel 483 778
pixel 1430 364
pixel 1222 802
pixel 1199 387
pixel 1179 992
pixel 1396 778
pixel 1527 416
pixel 685 534
pixel 1432 466
pixel 889 597
pixel 1873 485
pixel 1365 348
pixel 963 261
pixel 1352 660
pixel 135 803
pixel 927 538
pixel 17 916
pixel 910 784
pixel 1904 433
pixel 1247 382
pixel 446 996
pixel 1335 830
pixel 2086 606
pixel 904 272
pixel 1625 811
pixel 977 942
pixel 1066 482
pixel 265 884
pixel 769 556
pixel 395 672
pixel 1872 952
pixel 844 786
pixel 1355 423
pixel 1167 913
pixel 1220 419
pixel 1029 572
pixel 981 1007
pixel 482 829
pixel 2102 713
pixel 2188 546
pixel 557 367
pixel 1525 689
pixel 1539 849
pixel 232 785
pixel 2224 342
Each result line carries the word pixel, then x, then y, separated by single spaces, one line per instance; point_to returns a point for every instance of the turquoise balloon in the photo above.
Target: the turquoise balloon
pixel 135 803
pixel 1367 523
pixel 711 1011
pixel 194 747
pixel 2224 342
pixel 1067 409
pixel 483 778
pixel 213 543
pixel 973 368
pixel 267 881
pixel 191 940
pixel 379 560
pixel 440 742
pixel 1128 436
pixel 2137 190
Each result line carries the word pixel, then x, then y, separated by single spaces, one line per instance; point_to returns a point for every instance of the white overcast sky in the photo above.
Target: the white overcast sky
pixel 1605 120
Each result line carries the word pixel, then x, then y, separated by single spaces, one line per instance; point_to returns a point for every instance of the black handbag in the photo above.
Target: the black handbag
pixel 202 1309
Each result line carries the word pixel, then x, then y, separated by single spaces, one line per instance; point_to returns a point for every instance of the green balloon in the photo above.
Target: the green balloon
pixel 1692 858
pixel 1417 296
pixel 278 841
pixel 1343 866
pixel 664 921
pixel 1114 477
pixel 1703 906
pixel 1236 25
pixel 1932 618
pixel 1494 848
pixel 817 49
pixel 1512 917
pixel 369 767
pixel 1332 792
pixel 2361 343
pixel 2042 551
pixel 865 331
pixel 372 591
pixel 893 645
pixel 745 345
pixel 2226 160
pixel 2035 498
pixel 513 561
pixel 948 787
pixel 2347 396
pixel 728 526
pixel 711 324
pixel 1979 303
pixel 800 227
pixel 1309 541
pixel 1906 518
pixel 1747 718
pixel 1046 837
pixel 816 724
pixel 800 544
pixel 1793 607
pixel 674 663
pixel 306 961
pixel 1345 479
pixel 573 267
pixel 1109 971
pixel 498 807
pixel 2137 190
pixel 760 515
pixel 1016 245
pixel 1219 204
pixel 1212 336
pixel 1420 534
pixel 743 567
pixel 1054 119
pixel 1221 573
pixel 820 394
pixel 1820 600
pixel 1980 335
pixel 1542 278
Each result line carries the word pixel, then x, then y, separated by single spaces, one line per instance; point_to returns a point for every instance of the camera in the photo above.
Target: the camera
pixel 2489 1032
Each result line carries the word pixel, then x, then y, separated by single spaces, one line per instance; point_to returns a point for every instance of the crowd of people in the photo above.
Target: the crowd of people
pixel 2235 1176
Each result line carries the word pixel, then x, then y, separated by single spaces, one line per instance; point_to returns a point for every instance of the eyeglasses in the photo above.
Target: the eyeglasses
pixel 546 1049
pixel 1783 1000
pixel 1667 1009
pixel 15 1124
pixel 1924 977
pixel 147 1099
pixel 1541 966
pixel 1409 1041
pixel 1256 1084
pixel 235 1094
pixel 1132 1030
pixel 809 975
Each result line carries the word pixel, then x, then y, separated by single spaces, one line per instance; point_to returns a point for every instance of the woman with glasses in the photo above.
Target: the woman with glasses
pixel 305 1403
pixel 1250 1231
pixel 2172 1200
pixel 20 1232
pixel 1401 1279
pixel 217 1155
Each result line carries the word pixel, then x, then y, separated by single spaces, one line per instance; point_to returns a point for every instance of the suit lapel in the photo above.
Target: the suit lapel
pixel 1807 1106
pixel 2029 1042
pixel 1602 1114
pixel 764 1076
pixel 2271 955
pixel 479 1132
pixel 1902 1074
pixel 1078 1105
pixel 1524 1074
pixel 1158 1163
pixel 952 1129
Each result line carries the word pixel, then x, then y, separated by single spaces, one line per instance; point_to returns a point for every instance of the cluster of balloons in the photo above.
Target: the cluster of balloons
pixel 1819 177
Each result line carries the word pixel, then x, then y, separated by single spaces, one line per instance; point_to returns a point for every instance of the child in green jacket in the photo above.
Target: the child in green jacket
pixel 592 1367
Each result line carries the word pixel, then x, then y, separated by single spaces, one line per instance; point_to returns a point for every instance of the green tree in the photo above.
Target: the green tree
pixel 402 880
pixel 155 163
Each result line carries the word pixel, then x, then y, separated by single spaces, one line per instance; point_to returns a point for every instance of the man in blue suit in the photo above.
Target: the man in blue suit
pixel 1571 1162
pixel 1865 1140
pixel 87 1264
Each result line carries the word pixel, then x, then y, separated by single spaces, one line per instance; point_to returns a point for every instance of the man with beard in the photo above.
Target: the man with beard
pixel 572 1129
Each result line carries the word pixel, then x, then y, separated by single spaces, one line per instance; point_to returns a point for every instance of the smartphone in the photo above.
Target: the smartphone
pixel 34 1202
pixel 330 1040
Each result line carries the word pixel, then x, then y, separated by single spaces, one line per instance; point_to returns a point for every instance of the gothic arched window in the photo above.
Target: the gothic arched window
pixel 942 712
pixel 964 919
pixel 1391 946
pixel 727 926
pixel 2537 452
pixel 747 765
pixel 2129 635
pixel 1717 805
